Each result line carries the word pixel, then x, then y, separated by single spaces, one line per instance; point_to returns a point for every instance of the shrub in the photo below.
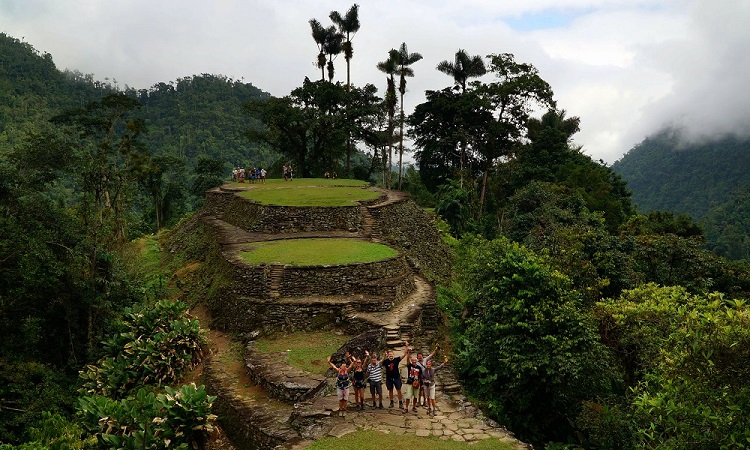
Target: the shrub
pixel 690 366
pixel 173 419
pixel 27 389
pixel 155 345
pixel 527 346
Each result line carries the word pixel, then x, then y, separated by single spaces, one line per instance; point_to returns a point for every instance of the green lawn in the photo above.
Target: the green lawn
pixel 276 182
pixel 316 252
pixel 310 195
pixel 307 192
pixel 376 440
pixel 306 350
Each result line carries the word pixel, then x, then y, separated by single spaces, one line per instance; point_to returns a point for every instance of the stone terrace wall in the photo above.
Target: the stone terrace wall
pixel 251 216
pixel 348 279
pixel 250 281
pixel 247 426
pixel 404 225
pixel 247 315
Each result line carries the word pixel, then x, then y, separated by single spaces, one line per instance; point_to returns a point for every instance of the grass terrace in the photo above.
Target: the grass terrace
pixel 307 192
pixel 316 252
pixel 307 351
pixel 376 440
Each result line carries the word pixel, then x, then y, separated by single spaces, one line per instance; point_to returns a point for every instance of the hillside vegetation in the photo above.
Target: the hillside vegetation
pixel 707 180
pixel 574 319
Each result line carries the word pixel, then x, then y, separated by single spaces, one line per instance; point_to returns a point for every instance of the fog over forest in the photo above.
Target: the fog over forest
pixel 626 68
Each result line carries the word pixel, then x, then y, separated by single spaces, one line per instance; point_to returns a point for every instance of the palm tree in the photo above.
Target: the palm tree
pixel 461 69
pixel 390 67
pixel 348 26
pixel 405 59
pixel 319 35
pixel 332 47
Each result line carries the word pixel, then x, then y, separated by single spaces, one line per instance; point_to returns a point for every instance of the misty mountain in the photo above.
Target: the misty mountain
pixel 707 180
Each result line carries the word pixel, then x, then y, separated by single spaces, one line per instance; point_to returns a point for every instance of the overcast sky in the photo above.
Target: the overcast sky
pixel 625 67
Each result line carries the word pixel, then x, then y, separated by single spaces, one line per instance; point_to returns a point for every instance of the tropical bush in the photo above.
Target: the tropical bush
pixel 173 419
pixel 27 390
pixel 527 347
pixel 687 358
pixel 153 345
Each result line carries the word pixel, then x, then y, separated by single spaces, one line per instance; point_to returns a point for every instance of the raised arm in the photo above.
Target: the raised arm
pixel 445 361
pixel 367 354
pixel 333 366
pixel 407 350
pixel 437 347
pixel 352 361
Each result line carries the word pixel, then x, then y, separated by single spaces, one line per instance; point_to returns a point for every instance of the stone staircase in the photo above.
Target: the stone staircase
pixel 275 278
pixel 368 224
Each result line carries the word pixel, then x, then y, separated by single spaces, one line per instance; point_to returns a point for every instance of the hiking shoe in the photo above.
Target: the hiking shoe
pixel 414 409
pixel 434 412
pixel 400 404
pixel 429 411
pixel 380 406
pixel 374 405
pixel 391 405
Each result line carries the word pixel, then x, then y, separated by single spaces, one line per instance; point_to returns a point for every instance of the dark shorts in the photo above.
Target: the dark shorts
pixel 376 388
pixel 391 383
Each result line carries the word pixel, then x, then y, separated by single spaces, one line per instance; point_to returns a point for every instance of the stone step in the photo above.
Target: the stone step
pixel 452 388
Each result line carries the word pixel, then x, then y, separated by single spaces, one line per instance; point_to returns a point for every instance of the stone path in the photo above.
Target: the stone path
pixel 297 425
pixel 457 420
pixel 398 321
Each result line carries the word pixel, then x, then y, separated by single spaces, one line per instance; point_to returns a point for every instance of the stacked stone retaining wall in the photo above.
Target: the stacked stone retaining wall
pixel 411 230
pixel 387 277
pixel 255 217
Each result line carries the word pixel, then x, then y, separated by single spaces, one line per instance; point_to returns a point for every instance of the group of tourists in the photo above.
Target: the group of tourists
pixel 288 172
pixel 240 174
pixel 419 389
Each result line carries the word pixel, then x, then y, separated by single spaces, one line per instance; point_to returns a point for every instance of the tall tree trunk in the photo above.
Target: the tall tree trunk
pixel 390 152
pixel 348 74
pixel 373 161
pixel 485 176
pixel 401 142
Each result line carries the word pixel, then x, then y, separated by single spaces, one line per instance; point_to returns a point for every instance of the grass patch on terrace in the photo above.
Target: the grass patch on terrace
pixel 308 192
pixel 377 440
pixel 316 252
pixel 306 350
pixel 272 183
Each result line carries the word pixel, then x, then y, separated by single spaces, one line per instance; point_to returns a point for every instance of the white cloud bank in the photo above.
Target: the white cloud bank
pixel 625 67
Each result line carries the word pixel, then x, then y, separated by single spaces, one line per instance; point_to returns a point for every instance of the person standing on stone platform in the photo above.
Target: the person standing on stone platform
pixel 393 376
pixel 358 382
pixel 342 383
pixel 413 381
pixel 428 377
pixel 422 363
pixel 375 375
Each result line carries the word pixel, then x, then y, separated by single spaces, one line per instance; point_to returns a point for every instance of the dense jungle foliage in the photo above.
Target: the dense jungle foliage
pixel 575 321
pixel 708 180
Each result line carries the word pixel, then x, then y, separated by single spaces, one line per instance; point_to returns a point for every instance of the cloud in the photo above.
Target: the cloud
pixel 709 69
pixel 625 67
